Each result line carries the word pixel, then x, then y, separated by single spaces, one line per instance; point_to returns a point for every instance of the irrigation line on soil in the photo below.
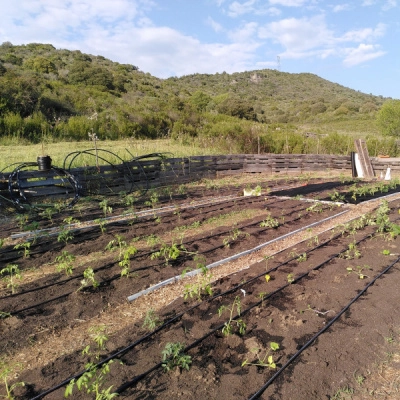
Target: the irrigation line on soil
pixel 326 327
pixel 228 259
pixel 179 316
pixel 117 276
pixel 138 214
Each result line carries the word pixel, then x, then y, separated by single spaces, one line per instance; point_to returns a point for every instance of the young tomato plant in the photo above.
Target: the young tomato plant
pixel 11 272
pixel 65 262
pixel 88 279
pixel 173 356
pixel 202 286
pixel 229 325
pixel 358 270
pixel 7 372
pixel 151 320
pixel 266 361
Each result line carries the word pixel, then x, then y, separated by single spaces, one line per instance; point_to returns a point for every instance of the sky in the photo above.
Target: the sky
pixel 353 43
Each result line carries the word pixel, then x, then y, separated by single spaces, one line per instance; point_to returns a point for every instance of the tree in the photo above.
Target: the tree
pixel 388 118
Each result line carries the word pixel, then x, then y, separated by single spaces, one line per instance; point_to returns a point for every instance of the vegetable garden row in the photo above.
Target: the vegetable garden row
pixel 281 325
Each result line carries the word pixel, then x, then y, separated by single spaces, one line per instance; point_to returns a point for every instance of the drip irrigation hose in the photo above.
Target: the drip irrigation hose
pixel 161 284
pixel 228 259
pixel 326 327
pixel 21 203
pixel 179 316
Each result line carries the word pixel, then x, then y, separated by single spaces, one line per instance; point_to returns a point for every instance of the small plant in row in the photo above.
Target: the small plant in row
pixel 173 356
pixel 11 273
pixel 229 325
pixel 263 360
pixel 92 381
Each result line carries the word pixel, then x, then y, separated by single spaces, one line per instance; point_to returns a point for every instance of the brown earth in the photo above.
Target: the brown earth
pixel 47 339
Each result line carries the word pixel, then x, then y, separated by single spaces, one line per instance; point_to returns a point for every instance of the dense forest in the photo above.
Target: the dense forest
pixel 49 94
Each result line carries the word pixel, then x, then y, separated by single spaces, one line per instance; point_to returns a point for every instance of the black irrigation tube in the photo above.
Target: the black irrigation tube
pixel 138 378
pixel 325 328
pixel 109 280
pixel 117 276
pixel 17 201
pixel 118 223
pixel 91 232
pixel 180 315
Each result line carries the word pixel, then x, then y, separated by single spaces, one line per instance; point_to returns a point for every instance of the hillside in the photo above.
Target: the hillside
pixel 55 94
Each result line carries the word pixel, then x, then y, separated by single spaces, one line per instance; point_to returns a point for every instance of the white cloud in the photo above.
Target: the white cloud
pixel 341 7
pixel 298 35
pixel 311 37
pixel 389 4
pixel 244 33
pixel 361 54
pixel 236 8
pixel 214 25
pixel 289 3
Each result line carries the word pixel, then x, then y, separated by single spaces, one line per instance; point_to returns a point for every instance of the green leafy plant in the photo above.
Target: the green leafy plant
pixel 290 278
pixel 386 252
pixel 352 252
pixel 102 224
pixel 88 279
pixel 4 315
pixel 125 262
pixel 105 207
pixel 65 262
pixel 358 270
pixel 263 361
pixel 151 320
pixel 173 356
pixel 25 248
pixel 65 235
pixel 93 379
pixel 11 272
pixel 171 252
pixel 7 372
pixel 229 325
pixel 269 222
pixel 202 286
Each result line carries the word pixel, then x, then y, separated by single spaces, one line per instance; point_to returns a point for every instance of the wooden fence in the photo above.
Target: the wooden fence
pixel 140 175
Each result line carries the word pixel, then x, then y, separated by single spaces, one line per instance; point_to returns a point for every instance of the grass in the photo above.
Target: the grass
pixel 58 151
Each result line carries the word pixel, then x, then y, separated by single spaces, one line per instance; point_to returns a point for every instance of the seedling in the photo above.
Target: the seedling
pixel 266 361
pixel 102 224
pixel 262 296
pixel 151 320
pixel 229 325
pixel 169 252
pixel 290 278
pixel 88 279
pixel 105 207
pixel 173 356
pixel 93 378
pixel 202 286
pixel 269 222
pixel 7 372
pixel 125 263
pixel 65 235
pixel 25 248
pixel 386 252
pixel 65 262
pixel 358 270
pixel 352 252
pixel 11 272
pixel 4 315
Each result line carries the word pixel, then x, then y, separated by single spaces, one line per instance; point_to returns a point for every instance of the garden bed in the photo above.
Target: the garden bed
pixel 321 292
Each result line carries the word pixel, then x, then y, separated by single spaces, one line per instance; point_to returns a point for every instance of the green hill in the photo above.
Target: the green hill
pixel 53 94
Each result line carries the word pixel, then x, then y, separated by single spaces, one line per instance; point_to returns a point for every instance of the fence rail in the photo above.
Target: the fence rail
pixel 32 185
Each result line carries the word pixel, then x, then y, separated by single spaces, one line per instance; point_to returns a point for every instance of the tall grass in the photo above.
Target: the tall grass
pixel 125 149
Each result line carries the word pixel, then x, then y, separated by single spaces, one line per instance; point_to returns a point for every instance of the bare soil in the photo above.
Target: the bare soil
pixel 305 290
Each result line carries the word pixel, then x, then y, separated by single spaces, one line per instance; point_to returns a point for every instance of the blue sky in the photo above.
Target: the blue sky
pixel 353 43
